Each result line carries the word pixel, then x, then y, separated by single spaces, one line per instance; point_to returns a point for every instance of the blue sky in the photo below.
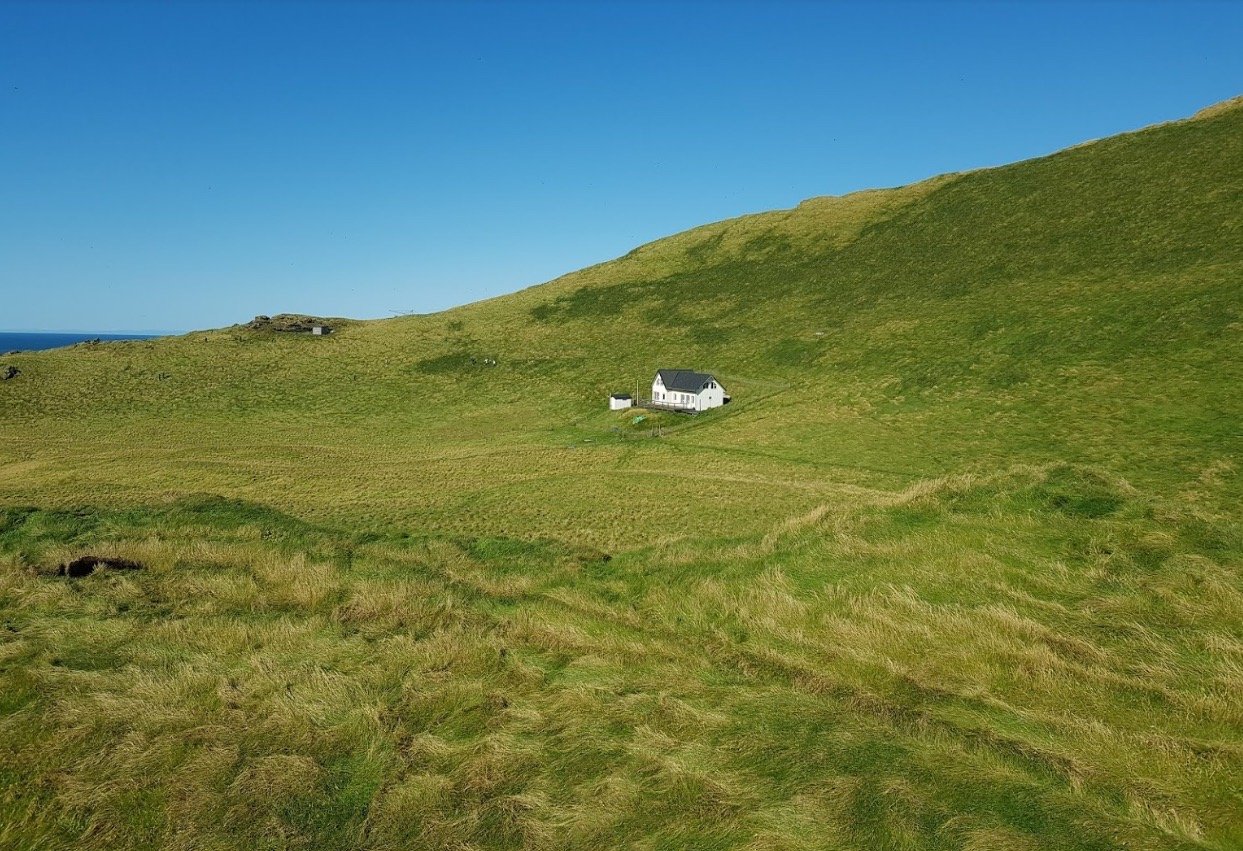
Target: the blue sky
pixel 175 166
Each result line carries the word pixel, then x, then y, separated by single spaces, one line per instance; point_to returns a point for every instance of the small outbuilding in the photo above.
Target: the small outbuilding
pixel 620 401
pixel 320 330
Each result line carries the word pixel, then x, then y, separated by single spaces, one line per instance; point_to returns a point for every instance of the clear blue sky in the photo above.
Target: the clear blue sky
pixel 174 166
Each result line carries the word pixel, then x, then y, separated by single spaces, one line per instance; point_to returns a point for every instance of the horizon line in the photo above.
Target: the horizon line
pixel 146 332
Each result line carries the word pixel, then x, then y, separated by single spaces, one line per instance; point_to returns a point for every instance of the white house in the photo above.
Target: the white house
pixel 620 401
pixel 687 390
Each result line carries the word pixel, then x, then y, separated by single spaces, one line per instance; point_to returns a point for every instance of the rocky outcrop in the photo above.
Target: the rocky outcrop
pixel 289 322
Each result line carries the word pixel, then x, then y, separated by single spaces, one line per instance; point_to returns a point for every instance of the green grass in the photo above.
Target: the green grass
pixel 958 568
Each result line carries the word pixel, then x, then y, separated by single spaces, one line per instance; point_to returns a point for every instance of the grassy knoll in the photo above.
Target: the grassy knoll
pixel 960 567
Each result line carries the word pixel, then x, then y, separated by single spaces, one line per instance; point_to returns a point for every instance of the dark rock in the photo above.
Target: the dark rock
pixel 8 372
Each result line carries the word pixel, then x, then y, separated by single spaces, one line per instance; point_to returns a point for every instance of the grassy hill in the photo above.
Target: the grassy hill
pixel 958 568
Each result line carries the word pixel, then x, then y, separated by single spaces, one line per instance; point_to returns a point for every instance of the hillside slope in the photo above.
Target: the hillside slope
pixel 1069 308
pixel 959 566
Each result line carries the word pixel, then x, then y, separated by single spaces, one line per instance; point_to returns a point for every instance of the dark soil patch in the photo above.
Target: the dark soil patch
pixel 86 565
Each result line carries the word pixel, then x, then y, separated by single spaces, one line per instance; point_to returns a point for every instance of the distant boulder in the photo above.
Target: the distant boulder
pixel 8 372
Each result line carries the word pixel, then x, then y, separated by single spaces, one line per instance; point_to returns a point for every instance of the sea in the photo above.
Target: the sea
pixel 22 341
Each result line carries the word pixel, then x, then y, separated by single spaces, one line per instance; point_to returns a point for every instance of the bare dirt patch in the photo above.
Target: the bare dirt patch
pixel 86 565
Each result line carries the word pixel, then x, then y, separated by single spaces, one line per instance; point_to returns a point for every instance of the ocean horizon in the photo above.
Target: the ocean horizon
pixel 35 341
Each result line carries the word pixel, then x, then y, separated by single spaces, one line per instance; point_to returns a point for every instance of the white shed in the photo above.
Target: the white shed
pixel 687 390
pixel 620 401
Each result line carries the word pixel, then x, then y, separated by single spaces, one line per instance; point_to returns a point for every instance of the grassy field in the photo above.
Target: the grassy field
pixel 960 567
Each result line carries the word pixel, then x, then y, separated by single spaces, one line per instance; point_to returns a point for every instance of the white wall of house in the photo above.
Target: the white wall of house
pixel 712 396
pixel 658 390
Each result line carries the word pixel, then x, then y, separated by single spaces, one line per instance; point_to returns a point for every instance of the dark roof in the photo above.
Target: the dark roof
pixel 621 396
pixel 684 380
